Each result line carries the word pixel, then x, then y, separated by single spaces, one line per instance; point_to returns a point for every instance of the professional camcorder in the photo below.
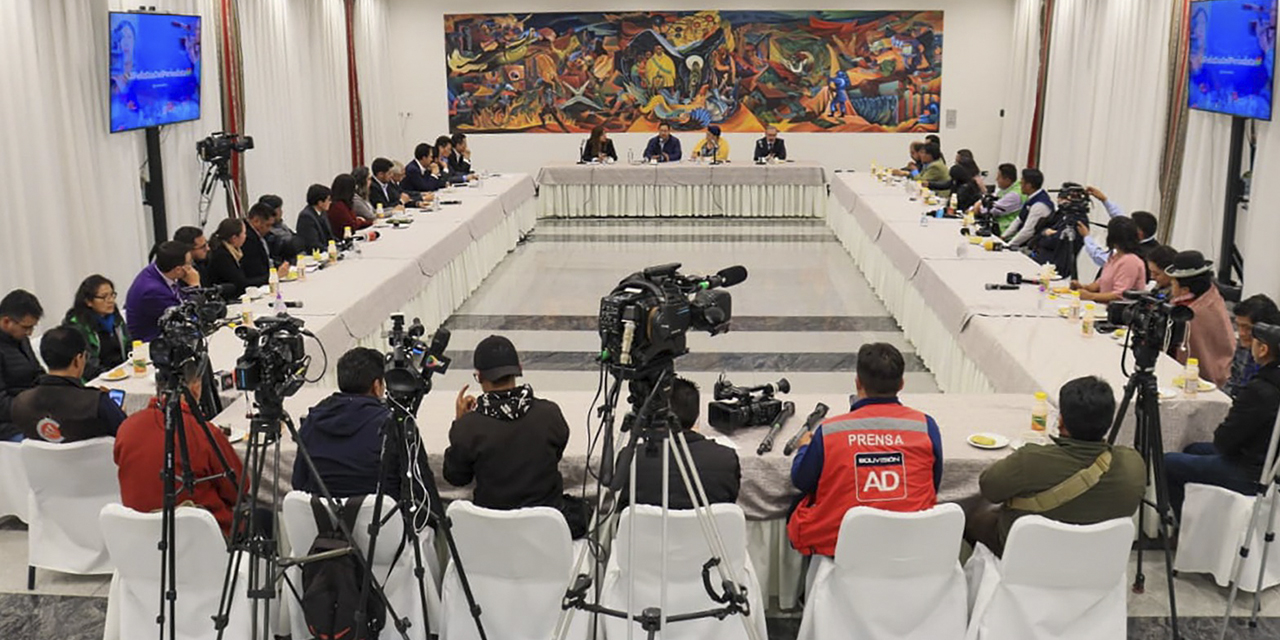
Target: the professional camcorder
pixel 275 359
pixel 220 145
pixel 736 407
pixel 1149 317
pixel 644 322
pixel 412 362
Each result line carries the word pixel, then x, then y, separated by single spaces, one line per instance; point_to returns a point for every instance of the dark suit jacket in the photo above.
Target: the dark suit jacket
pixel 779 149
pixel 223 269
pixel 656 149
pixel 717 464
pixel 415 179
pixel 589 154
pixel 256 262
pixel 459 164
pixel 386 195
pixel 313 230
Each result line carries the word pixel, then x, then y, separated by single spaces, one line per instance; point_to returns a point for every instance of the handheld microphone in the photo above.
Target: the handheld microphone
pixel 810 423
pixel 766 445
pixel 999 286
pixel 726 277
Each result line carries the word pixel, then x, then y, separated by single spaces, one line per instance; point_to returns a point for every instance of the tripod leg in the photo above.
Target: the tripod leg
pixel 1267 540
pixel 1164 511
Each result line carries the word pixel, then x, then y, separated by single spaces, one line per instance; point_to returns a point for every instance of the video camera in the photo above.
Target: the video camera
pixel 644 322
pixel 412 362
pixel 736 407
pixel 275 359
pixel 1148 316
pixel 219 146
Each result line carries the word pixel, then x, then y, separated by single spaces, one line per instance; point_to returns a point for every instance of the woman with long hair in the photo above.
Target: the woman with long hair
pixel 224 259
pixel 342 209
pixel 360 202
pixel 964 158
pixel 599 146
pixel 96 315
pixel 1123 271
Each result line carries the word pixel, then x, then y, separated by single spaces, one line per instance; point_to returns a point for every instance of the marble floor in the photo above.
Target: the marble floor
pixel 801 314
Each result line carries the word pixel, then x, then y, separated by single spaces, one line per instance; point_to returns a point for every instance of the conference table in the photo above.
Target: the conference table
pixel 688 188
pixel 424 269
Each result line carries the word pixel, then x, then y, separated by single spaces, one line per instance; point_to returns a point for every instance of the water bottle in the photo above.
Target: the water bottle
pixel 333 250
pixel 278 305
pixel 1075 306
pixel 273 281
pixel 1086 322
pixel 631 156
pixel 1040 412
pixel 924 218
pixel 1191 377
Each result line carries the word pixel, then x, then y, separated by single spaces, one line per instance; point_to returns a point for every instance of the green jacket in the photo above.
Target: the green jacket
pixel 937 171
pixel 1036 467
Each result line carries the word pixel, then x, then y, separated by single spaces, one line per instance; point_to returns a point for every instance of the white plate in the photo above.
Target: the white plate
pixel 117 374
pixel 1000 441
pixel 1167 393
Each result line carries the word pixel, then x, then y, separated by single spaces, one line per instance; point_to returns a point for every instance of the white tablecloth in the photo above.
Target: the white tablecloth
pixel 425 270
pixel 791 189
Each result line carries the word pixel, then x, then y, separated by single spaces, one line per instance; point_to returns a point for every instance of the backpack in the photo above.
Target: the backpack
pixel 331 588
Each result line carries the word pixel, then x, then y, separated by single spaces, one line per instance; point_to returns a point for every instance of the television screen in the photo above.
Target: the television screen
pixel 1232 50
pixel 155 69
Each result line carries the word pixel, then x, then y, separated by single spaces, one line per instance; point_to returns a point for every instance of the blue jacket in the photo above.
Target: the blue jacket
pixel 343 434
pixel 416 179
pixel 148 298
pixel 657 149
pixel 806 468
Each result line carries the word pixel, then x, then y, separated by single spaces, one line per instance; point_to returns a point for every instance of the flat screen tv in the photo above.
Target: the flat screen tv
pixel 1232 51
pixel 155 69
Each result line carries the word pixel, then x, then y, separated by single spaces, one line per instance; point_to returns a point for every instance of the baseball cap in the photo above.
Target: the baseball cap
pixel 496 358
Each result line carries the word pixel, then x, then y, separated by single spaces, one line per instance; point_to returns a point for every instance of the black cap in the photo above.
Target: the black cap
pixel 496 358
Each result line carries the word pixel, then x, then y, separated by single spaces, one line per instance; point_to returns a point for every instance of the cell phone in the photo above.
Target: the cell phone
pixel 117 396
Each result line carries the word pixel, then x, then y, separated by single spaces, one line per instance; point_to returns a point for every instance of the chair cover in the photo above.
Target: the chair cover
pixel 70 484
pixel 1213 528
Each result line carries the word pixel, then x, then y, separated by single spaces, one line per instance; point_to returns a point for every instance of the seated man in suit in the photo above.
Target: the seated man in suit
pixel 258 261
pixel 423 174
pixel 282 241
pixel 881 454
pixel 381 190
pixel 199 271
pixel 314 233
pixel 717 464
pixel 156 288
pixel 663 147
pixel 444 150
pixel 770 146
pixel 60 408
pixel 460 159
pixel 20 312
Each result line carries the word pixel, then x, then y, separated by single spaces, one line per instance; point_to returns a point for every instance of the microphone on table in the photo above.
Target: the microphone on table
pixel 726 277
pixel 1000 286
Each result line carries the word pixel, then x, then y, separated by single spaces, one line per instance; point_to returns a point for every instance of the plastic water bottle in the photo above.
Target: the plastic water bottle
pixel 278 305
pixel 924 218
pixel 139 355
pixel 1075 306
pixel 333 250
pixel 273 281
pixel 1191 377
pixel 302 268
pixel 1086 322
pixel 1040 412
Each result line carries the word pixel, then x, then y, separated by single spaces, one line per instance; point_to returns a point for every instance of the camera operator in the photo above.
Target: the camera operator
pixel 1037 208
pixel 1008 199
pixel 344 433
pixel 1123 271
pixel 715 463
pixel 508 441
pixel 1239 449
pixel 901 447
pixel 1077 479
pixel 157 288
pixel 1208 336
pixel 139 455
pixel 1145 221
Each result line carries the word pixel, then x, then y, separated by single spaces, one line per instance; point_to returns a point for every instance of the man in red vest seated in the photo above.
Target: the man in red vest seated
pixel 880 454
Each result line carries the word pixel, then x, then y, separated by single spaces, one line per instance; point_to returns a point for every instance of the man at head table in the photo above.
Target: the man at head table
pixel 663 147
pixel 770 146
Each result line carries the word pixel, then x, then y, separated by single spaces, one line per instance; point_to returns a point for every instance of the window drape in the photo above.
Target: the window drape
pixel 1020 103
pixel 373 58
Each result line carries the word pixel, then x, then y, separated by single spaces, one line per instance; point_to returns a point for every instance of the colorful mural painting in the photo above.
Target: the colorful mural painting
pixel 845 71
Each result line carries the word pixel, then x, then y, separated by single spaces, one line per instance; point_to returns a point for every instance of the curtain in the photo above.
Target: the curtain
pixel 373 60
pixel 1020 100
pixel 1106 98
pixel 1260 226
pixel 76 206
pixel 1198 220
pixel 295 95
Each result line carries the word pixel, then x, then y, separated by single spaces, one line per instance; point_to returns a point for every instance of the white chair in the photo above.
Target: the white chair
pixel 687 551
pixel 519 564
pixel 1213 528
pixel 894 576
pixel 398 581
pixel 14 492
pixel 1057 582
pixel 201 565
pixel 70 484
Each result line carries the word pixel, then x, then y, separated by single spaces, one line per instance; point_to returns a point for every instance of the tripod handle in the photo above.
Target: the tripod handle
pixel 819 412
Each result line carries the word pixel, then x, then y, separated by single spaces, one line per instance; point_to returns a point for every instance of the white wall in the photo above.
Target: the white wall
pixel 976 40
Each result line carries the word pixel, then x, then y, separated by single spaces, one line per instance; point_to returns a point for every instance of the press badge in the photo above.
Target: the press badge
pixel 880 476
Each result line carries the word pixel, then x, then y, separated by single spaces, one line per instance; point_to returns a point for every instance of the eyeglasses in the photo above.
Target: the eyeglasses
pixel 109 296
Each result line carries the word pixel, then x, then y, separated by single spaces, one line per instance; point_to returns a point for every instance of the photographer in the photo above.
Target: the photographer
pixel 1123 271
pixel 1239 449
pixel 344 433
pixel 1037 208
pixel 1077 479
pixel 508 441
pixel 139 455
pixel 1208 336
pixel 716 464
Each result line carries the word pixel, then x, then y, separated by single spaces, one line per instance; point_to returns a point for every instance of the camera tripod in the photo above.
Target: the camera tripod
pixel 653 425
pixel 250 537
pixel 217 172
pixel 1269 499
pixel 1149 443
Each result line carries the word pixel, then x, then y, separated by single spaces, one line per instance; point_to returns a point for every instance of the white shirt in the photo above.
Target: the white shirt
pixel 1021 231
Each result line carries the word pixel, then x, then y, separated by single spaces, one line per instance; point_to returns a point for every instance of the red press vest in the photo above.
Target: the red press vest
pixel 877 456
